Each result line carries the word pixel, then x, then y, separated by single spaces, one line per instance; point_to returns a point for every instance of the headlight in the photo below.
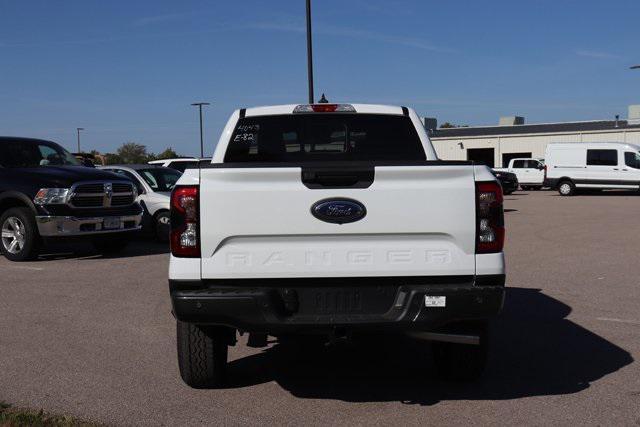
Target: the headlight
pixel 51 196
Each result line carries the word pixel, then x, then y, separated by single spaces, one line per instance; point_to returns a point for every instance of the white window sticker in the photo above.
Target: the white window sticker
pixel 432 301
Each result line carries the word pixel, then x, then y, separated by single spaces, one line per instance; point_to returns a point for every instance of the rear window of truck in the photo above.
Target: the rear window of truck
pixel 330 137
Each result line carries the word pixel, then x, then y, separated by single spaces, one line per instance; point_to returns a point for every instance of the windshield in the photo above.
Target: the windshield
pixel 160 179
pixel 31 154
pixel 324 137
pixel 181 166
pixel 632 160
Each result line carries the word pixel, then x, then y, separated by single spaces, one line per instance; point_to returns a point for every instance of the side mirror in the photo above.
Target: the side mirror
pixel 540 167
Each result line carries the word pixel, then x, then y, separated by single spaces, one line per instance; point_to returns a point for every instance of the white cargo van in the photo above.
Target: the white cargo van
pixel 592 165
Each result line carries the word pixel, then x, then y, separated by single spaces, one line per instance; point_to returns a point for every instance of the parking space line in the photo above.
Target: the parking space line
pixel 608 319
pixel 26 267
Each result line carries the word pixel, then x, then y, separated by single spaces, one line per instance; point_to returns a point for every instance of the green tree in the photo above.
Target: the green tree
pixel 131 152
pixel 112 159
pixel 447 125
pixel 168 153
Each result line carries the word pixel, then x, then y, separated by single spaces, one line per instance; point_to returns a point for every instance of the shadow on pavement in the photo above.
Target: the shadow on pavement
pixel 603 193
pixel 535 351
pixel 82 249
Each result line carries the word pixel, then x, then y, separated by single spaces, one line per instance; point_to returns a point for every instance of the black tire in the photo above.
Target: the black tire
pixel 24 245
pixel 566 188
pixel 110 244
pixel 462 362
pixel 162 226
pixel 202 354
pixel 506 193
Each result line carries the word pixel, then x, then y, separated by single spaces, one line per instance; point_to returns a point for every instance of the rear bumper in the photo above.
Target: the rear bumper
pixel 289 305
pixel 63 226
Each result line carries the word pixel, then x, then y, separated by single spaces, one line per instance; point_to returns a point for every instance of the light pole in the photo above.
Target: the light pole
pixel 309 53
pixel 199 105
pixel 78 131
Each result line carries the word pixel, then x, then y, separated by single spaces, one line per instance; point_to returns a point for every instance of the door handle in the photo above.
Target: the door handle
pixel 616 169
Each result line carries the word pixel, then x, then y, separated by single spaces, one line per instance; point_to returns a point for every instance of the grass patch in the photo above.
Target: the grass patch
pixel 18 417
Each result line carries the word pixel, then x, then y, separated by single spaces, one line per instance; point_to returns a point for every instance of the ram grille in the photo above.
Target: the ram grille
pixel 102 195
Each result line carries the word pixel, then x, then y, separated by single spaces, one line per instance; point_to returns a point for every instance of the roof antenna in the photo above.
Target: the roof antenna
pixel 323 100
pixel 309 53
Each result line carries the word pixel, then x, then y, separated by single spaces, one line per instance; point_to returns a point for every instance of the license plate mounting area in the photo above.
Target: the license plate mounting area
pixel 111 223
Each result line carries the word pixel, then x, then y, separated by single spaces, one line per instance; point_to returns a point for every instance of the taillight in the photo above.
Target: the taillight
pixel 185 227
pixel 489 218
pixel 545 171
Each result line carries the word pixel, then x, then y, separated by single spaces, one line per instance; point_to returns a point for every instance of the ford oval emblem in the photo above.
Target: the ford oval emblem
pixel 338 211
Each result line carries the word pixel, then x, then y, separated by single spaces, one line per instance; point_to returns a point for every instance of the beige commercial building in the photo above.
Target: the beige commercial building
pixel 496 145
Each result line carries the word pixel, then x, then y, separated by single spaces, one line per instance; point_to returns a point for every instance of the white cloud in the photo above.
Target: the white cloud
pixel 596 54
pixel 157 19
pixel 351 33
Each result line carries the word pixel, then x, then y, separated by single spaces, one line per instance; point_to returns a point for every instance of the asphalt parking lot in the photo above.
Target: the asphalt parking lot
pixel 94 338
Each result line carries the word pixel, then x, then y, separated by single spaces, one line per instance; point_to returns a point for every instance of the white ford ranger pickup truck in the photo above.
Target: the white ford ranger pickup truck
pixel 333 219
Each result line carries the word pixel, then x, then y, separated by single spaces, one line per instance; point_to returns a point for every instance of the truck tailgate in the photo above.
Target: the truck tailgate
pixel 257 223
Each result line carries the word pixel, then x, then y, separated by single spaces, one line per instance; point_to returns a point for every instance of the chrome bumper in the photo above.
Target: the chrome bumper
pixel 60 226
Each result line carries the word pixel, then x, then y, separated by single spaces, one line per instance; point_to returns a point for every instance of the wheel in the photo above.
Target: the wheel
pixel 507 192
pixel 110 244
pixel 462 362
pixel 20 238
pixel 162 226
pixel 566 188
pixel 524 188
pixel 202 354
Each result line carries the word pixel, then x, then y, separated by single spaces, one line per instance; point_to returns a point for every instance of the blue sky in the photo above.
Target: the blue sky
pixel 128 70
